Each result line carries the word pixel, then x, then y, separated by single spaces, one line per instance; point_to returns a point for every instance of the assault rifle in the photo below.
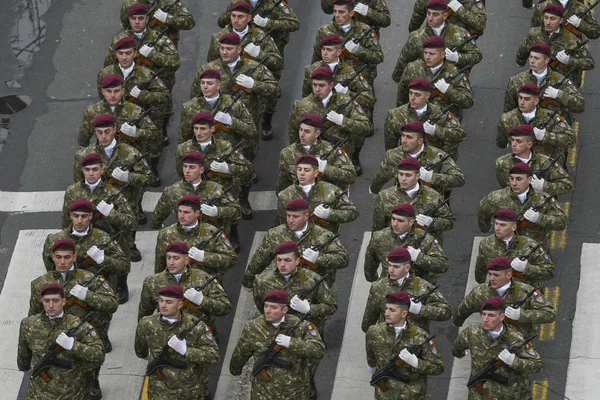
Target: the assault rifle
pixel 88 261
pixel 257 43
pixel 437 93
pixel 135 122
pixel 339 109
pixel 201 246
pixel 318 247
pixel 223 158
pixel 553 163
pixel 519 304
pixel 321 221
pixel 434 121
pixel 557 64
pixel 524 223
pixel 126 167
pixel 422 299
pixel 574 30
pixel 305 293
pixel 154 22
pixel 469 39
pixel 214 201
pixel 237 88
pixel 547 101
pixel 334 148
pixel 74 300
pixel 97 215
pixel 145 85
pixel 432 211
pixel 140 59
pixel 188 304
pixel 346 54
pixel 268 11
pixel 347 81
pixel 434 166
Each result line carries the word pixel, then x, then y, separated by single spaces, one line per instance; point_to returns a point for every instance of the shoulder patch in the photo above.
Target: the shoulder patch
pixel 364 82
pixel 208 333
pixel 358 107
pixel 465 79
pixel 312 329
pixel 268 71
pixel 284 7
pixel 479 4
pixel 537 296
pixel 225 239
pixel 373 37
pixel 339 243
pixel 341 155
pixel 91 331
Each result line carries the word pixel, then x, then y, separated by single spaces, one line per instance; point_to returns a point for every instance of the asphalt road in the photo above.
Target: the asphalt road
pixel 37 155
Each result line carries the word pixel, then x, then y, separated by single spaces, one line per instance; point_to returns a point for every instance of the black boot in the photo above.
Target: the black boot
pixel 107 344
pixel 142 219
pixel 135 254
pixel 267 128
pixel 247 212
pixel 122 289
pixel 356 161
pixel 313 389
pixel 164 130
pixel 234 238
pixel 95 391
pixel 527 3
pixel 207 395
pixel 155 179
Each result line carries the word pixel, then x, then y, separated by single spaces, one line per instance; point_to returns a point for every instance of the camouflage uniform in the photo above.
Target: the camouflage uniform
pixel 471 16
pixel 484 349
pixel 589 26
pixel 431 262
pixel 551 215
pixel 339 170
pixel 219 255
pixel 37 334
pixel 151 337
pixel 539 265
pixel 446 176
pixel 383 347
pixel 306 349
pixel 378 15
pixel 557 180
pixel 322 303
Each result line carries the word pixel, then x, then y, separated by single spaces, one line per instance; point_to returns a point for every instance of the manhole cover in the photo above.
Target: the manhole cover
pixel 13 104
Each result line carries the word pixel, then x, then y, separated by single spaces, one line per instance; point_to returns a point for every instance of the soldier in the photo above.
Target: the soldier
pixel 334 164
pixel 81 349
pixel 468 14
pixel 301 346
pixel 548 174
pixel 87 293
pixel 462 51
pixel 390 341
pixel 373 13
pixel 424 199
pixel 215 255
pixel 436 174
pixel 307 235
pixel 426 254
pixel 329 205
pixel 492 340
pixel 538 212
pixel 576 23
pixel 529 260
pixel 196 351
pixel 451 91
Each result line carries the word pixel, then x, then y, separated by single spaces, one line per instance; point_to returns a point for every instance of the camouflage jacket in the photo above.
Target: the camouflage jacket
pixel 322 302
pixel 557 180
pixel 435 307
pixel 179 17
pixel 589 26
pixel 484 349
pixel 552 217
pixel 424 200
pixel 449 132
pixel 471 16
pixel 152 335
pixel 305 350
pixel 539 265
pixel 339 170
pixel 378 15
pixel 430 263
pixel 37 334
pixel 383 347
pixel 445 176
pixel 219 255
pixel 342 209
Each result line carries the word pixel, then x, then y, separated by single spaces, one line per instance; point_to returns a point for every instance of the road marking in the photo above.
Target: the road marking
pixel 539 390
pixel 558 239
pixel 572 157
pixel 552 294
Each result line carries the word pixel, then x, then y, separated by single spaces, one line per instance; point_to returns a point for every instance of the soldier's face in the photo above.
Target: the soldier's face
pixel 395 314
pixel 229 52
pixel 342 14
pixel 105 136
pixel 138 22
pixel 169 307
pixel 401 225
pixel 492 319
pixel 527 102
pixel 504 230
pixel 435 18
pixel 552 22
pixel 321 89
pixel 81 220
pixel 210 87
pixel 407 179
pixel 308 134
pixel 538 62
pixel 519 183
pixel 176 262
pixel 192 172
pixel 93 173
pixel 126 57
pixel 63 259
pixel 53 304
pixel 433 57
pixel 306 173
pixel 274 311
pixel 287 263
pixel 330 54
pixel 203 133
pixel 499 278
pixel 417 99
pixel 113 95
pixel 520 145
pixel 240 20
pixel 296 220
pixel 398 270
pixel 411 142
pixel 187 216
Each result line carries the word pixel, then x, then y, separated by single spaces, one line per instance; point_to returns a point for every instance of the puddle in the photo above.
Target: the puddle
pixel 29 30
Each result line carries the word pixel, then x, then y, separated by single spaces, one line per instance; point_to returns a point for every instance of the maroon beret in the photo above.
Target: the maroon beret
pixel 111 81
pixel 409 164
pixel 520 168
pixel 297 205
pixel 230 38
pixel 404 210
pixel 555 9
pixel 190 200
pixel 322 73
pixel 343 2
pixel 52 288
pixel 434 42
pixel 493 304
pixel 530 88
pixel 499 264
pixel 413 126
pixel 277 296
pixel 125 43
pixel 91 159
pixel 82 205
pixel 137 9
pixel 398 255
pixel 521 130
pixel 331 40
pixel 286 247
pixel 241 6
pixel 63 244
pixel 210 74
pixel 307 159
pixel 104 121
pixel 174 291
pixel 506 214
pixel 437 5
pixel 203 118
pixel 420 84
pixel 401 298
pixel 541 48
pixel 177 247
pixel 193 157
pixel 313 120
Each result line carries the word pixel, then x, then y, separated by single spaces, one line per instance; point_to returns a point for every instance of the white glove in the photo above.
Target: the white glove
pixel 322 165
pixel 551 92
pixel 219 167
pixel 211 211
pixel 79 291
pixel 96 254
pixel 371 370
pixel 539 133
pixel 302 306
pixel 362 9
pixel 352 46
pixel 424 220
pixel 513 313
pixel 537 183
pixel 64 341
pixel 426 175
pixel 532 215
pixel 409 358
pixel 336 118
pixel 574 20
pixel 451 55
pixel 146 50
pixel 105 208
pixel 260 21
pixel 442 85
pixel 322 212
pixel 415 308
pixel 429 128
pixel 129 130
pixel 160 15
pixel 196 254
pixel 252 49
pixel 135 92
pixel 245 81
pixel 454 5
pixel 283 340
pixel 178 345
pixel 224 118
pixel 518 265
pixel 506 357
pixel 340 89
pixel 193 295
pixel 414 253
pixel 563 57
pixel 310 255
pixel 120 175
